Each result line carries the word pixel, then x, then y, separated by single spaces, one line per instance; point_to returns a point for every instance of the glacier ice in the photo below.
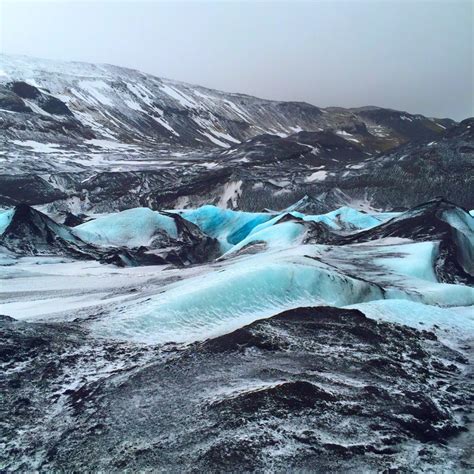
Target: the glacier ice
pixel 5 219
pixel 413 259
pixel 345 217
pixel 458 320
pixel 280 272
pixel 277 236
pixel 227 226
pixel 248 287
pixel 131 228
pixel 235 294
pixel 232 227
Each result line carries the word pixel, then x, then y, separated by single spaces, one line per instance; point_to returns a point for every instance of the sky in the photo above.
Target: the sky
pixel 409 55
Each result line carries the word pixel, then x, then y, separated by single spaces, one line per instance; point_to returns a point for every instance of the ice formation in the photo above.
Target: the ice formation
pixel 131 228
pixel 267 264
pixel 5 219
pixel 227 226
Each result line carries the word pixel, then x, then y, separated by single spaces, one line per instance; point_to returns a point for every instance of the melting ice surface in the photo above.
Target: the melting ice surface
pixel 458 319
pixel 234 294
pixel 227 226
pixel 241 290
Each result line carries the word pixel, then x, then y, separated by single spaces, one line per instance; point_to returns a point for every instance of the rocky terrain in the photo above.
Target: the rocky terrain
pixel 276 394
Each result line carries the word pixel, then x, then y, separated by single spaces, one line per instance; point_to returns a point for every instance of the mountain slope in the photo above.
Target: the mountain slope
pixel 98 138
pixel 66 101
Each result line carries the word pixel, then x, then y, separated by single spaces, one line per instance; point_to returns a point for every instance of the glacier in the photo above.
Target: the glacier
pixel 267 262
pixel 131 228
pixel 5 219
pixel 232 295
pixel 227 226
pixel 290 315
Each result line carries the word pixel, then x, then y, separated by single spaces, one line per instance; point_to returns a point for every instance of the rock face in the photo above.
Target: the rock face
pixel 311 388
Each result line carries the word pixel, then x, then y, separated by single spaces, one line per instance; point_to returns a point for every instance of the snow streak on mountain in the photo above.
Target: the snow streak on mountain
pixel 193 280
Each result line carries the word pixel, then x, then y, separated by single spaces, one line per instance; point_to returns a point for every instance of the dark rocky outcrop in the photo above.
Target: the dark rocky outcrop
pixel 309 389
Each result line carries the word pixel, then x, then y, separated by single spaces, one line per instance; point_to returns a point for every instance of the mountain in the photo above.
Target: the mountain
pixel 72 102
pixel 87 138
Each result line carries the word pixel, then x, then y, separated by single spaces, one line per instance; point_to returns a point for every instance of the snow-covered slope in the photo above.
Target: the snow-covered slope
pixel 99 138
pixel 109 105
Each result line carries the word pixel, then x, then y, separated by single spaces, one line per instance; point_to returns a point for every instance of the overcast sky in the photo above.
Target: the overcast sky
pixel 410 55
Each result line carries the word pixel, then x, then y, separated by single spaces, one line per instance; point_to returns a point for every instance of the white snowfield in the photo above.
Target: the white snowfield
pixel 266 267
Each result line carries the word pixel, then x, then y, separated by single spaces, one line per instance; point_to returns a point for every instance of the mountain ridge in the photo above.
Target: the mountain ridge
pixel 146 108
pixel 212 89
pixel 85 138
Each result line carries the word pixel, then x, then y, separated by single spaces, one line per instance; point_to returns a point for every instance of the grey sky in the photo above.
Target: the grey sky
pixel 408 55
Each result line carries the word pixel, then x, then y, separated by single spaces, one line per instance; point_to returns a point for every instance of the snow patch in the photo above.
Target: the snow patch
pixel 317 176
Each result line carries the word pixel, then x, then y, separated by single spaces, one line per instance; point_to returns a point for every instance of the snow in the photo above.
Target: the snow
pixel 231 193
pixel 58 288
pixel 109 144
pixel 165 124
pixel 37 308
pixel 240 112
pixel 131 228
pixel 134 105
pixel 39 147
pixel 99 90
pixel 347 136
pixel 316 176
pixel 225 136
pixel 214 139
pixel 179 96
